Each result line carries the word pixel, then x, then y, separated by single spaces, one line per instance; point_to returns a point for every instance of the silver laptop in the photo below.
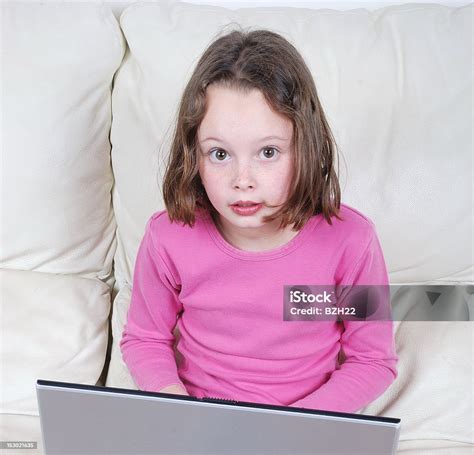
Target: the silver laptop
pixel 83 419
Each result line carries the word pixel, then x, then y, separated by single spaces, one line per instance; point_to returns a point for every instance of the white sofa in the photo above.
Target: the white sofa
pixel 88 104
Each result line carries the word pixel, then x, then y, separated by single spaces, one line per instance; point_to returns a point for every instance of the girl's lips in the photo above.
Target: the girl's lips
pixel 246 210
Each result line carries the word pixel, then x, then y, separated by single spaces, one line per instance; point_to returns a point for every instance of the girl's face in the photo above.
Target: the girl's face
pixel 245 159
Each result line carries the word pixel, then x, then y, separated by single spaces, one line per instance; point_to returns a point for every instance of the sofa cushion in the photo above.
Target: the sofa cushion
pixel 433 391
pixel 57 68
pixel 118 374
pixel 433 447
pixel 52 327
pixel 395 84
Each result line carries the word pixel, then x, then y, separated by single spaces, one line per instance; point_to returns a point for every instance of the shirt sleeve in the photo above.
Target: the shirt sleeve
pixel 368 346
pixel 147 340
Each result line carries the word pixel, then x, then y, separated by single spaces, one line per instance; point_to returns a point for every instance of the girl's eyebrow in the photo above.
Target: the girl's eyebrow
pixel 267 138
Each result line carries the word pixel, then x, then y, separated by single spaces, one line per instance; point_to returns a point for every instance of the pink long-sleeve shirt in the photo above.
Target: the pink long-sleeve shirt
pixel 228 306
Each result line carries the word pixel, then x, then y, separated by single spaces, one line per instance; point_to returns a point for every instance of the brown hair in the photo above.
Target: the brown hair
pixel 266 61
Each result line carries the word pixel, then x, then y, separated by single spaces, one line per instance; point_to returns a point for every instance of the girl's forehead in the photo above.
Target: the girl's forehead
pixel 234 110
pixel 219 95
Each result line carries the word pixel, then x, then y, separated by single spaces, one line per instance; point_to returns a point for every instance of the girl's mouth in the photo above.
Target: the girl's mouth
pixel 246 208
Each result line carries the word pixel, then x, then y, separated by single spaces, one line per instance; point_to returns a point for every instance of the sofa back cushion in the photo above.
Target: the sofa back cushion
pixel 57 70
pixel 395 84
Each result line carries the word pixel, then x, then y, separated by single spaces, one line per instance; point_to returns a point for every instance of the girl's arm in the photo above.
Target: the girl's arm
pixel 147 340
pixel 370 365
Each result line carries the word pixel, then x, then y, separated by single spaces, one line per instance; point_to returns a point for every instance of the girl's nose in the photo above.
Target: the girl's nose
pixel 243 179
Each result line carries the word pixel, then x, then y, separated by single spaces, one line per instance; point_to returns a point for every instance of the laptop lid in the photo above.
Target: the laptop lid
pixel 84 419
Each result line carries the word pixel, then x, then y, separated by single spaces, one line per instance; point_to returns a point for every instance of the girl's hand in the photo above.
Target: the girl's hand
pixel 176 389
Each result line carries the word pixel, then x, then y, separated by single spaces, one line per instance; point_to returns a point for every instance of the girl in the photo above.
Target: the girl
pixel 253 204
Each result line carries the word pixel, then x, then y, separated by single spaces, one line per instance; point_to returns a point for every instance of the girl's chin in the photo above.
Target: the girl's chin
pixel 236 220
pixel 246 220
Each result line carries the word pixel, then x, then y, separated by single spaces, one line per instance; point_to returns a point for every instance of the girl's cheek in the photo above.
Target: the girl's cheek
pixel 210 176
pixel 204 170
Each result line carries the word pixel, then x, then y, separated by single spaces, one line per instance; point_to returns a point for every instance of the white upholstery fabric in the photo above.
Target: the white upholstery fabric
pixel 52 327
pixel 433 391
pixel 57 69
pixel 435 447
pixel 395 84
pixel 57 223
pixel 118 374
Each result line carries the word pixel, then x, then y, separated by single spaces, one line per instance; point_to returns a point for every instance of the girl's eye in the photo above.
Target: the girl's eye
pixel 269 153
pixel 218 155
